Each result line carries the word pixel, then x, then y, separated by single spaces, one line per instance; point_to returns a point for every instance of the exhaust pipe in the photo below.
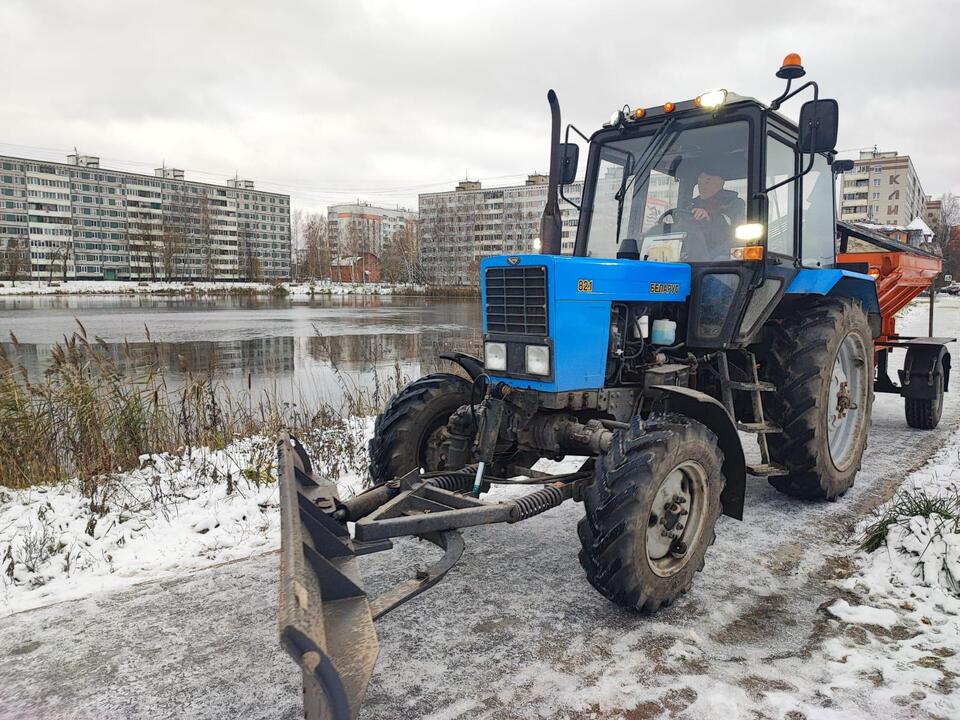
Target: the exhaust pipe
pixel 551 224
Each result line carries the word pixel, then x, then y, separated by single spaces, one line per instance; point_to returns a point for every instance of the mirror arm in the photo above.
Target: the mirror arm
pixel 776 104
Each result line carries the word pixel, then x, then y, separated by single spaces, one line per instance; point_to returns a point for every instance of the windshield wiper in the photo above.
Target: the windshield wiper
pixel 658 141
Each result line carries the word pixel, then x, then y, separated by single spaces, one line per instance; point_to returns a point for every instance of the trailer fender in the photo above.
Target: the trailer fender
pixel 473 366
pixel 709 411
pixel 833 282
pixel 922 366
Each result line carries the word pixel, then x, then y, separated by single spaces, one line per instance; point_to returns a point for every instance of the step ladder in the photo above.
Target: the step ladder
pixel 760 426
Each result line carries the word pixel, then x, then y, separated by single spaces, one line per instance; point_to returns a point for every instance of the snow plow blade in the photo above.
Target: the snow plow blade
pixel 325 619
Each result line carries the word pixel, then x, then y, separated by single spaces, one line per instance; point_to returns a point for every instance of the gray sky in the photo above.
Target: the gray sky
pixel 330 101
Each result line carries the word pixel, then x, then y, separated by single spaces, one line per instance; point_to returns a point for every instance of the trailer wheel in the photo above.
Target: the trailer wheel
pixel 651 512
pixel 409 432
pixel 821 361
pixel 924 413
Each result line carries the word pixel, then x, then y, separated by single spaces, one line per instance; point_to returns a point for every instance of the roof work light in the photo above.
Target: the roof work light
pixel 711 100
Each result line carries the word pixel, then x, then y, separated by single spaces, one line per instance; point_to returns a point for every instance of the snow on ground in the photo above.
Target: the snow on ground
pixel 898 623
pixel 174 514
pixel 787 620
pixel 119 287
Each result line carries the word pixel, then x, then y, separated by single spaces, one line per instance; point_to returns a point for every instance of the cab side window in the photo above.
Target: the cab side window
pixel 818 229
pixel 781 211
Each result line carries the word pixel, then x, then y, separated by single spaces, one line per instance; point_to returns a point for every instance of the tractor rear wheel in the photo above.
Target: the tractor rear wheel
pixel 651 512
pixel 409 433
pixel 821 361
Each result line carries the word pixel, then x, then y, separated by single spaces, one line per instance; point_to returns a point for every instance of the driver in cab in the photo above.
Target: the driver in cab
pixel 714 203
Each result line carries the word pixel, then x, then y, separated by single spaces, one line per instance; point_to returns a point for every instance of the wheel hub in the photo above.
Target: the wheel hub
pixel 676 518
pixel 845 394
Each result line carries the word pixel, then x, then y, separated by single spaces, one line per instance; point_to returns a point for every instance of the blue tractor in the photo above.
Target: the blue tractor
pixel 702 303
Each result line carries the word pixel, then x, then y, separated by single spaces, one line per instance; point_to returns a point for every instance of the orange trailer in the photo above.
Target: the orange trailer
pixel 902 273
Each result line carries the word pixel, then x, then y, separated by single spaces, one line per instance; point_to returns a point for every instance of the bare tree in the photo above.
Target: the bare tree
pixel 400 256
pixel 205 237
pixel 296 250
pixel 252 267
pixel 316 251
pixel 945 228
pixel 144 246
pixel 14 259
pixel 58 264
pixel 175 235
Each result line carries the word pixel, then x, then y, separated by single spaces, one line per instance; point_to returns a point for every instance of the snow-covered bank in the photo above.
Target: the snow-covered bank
pixel 174 514
pixel 119 287
pixel 898 623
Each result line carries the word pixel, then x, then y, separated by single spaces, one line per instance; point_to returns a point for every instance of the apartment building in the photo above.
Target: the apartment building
pixel 360 227
pixel 461 226
pixel 78 220
pixel 931 211
pixel 883 188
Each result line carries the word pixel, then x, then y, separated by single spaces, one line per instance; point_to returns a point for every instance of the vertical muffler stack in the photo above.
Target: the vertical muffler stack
pixel 551 224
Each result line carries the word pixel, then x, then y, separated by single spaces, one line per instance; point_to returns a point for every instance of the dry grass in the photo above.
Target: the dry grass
pixel 87 419
pixel 909 503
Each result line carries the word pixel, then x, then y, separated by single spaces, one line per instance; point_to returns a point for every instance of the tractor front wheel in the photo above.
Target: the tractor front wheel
pixel 409 433
pixel 651 512
pixel 821 362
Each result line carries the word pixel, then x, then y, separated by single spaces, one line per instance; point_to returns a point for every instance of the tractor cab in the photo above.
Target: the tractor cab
pixel 722 183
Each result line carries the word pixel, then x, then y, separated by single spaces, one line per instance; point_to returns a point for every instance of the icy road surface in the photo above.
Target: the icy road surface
pixel 514 631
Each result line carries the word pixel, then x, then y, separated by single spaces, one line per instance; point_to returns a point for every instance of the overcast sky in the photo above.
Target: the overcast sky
pixel 329 101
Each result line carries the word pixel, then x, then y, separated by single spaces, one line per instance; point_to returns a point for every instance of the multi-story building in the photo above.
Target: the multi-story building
pixel 931 211
pixel 461 226
pixel 882 188
pixel 360 227
pixel 78 220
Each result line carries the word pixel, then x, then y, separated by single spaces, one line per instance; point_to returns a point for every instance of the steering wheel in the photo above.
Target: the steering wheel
pixel 674 213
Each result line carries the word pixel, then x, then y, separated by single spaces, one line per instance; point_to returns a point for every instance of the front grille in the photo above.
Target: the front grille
pixel 517 300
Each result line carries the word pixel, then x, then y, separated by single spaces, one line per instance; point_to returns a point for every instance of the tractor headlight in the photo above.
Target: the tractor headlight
pixel 495 356
pixel 538 359
pixel 748 232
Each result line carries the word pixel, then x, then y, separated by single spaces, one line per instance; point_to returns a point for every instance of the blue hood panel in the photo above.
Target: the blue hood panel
pixel 579 295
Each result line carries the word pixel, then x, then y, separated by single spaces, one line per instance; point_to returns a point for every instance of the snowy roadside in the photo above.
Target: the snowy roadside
pixel 119 287
pixel 898 622
pixel 174 514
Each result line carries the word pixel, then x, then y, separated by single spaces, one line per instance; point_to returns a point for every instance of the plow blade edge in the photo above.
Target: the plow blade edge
pixel 324 615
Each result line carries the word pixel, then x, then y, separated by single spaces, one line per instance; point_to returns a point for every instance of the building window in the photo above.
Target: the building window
pixel 876 182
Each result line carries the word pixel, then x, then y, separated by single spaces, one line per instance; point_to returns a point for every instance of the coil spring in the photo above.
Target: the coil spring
pixel 454 482
pixel 539 501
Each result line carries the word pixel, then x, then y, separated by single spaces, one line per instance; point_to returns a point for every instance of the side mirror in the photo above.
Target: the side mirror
pixel 842 166
pixel 569 155
pixel 819 122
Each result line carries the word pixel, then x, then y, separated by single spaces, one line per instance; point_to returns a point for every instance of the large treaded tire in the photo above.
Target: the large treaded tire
pixel 924 414
pixel 800 363
pixel 402 431
pixel 618 505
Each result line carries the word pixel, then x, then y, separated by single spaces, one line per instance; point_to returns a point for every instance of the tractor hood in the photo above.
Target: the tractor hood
pixel 564 304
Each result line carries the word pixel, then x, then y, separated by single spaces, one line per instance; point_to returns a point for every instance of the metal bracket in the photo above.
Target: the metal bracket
pixel 425 509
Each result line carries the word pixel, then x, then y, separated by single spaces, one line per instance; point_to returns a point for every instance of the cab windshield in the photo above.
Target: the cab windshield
pixel 679 193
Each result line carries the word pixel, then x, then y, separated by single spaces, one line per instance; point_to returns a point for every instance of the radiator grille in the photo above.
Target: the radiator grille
pixel 517 300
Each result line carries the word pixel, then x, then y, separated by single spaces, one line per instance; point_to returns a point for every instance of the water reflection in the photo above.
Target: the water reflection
pixel 301 351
